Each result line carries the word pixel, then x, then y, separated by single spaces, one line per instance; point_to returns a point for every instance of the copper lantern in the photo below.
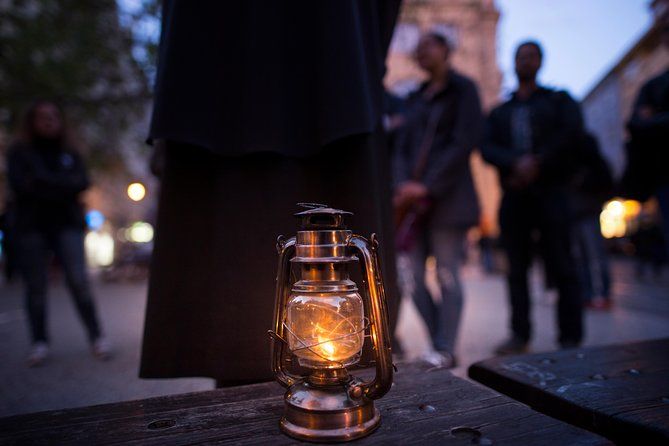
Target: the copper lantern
pixel 320 325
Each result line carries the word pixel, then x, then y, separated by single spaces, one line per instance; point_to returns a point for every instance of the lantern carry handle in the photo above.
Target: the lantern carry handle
pixel 286 248
pixel 378 311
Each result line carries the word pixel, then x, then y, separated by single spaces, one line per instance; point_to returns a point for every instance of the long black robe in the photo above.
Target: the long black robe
pixel 280 76
pixel 262 105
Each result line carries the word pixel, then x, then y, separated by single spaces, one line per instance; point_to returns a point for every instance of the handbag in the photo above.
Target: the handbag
pixel 410 219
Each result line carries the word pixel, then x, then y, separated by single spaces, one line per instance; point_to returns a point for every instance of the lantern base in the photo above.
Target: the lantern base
pixel 327 414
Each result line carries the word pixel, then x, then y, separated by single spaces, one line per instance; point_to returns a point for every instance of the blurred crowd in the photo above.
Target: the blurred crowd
pixel 554 179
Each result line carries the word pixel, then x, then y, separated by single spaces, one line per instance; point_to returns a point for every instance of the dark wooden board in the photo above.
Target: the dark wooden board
pixel 619 391
pixel 428 406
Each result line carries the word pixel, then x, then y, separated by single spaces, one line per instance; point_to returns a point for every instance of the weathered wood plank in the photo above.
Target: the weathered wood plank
pixel 619 391
pixel 427 407
pixel 146 407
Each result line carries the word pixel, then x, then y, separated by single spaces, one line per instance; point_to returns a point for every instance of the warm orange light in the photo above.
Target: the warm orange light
pixel 632 208
pixel 615 208
pixel 616 215
pixel 136 191
pixel 326 330
pixel 324 345
pixel 328 349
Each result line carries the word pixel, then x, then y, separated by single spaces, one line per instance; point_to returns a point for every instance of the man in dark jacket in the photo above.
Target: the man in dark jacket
pixel 431 164
pixel 532 139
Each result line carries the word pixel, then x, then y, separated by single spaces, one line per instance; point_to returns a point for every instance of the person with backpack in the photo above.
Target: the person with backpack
pixel 532 140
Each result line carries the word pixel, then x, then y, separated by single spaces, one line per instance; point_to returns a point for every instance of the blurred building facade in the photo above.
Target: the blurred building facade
pixel 607 107
pixel 471 27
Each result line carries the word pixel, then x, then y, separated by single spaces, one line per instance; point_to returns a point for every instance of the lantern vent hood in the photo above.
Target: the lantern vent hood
pixel 321 217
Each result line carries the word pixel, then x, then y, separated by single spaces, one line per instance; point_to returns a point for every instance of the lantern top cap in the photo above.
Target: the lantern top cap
pixel 321 217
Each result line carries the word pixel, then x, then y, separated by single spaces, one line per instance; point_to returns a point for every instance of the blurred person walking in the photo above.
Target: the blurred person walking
pixel 591 187
pixel 259 105
pixel 435 200
pixel 647 171
pixel 46 178
pixel 532 140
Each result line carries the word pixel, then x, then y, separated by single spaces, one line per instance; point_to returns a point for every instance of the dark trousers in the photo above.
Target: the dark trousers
pixel 442 319
pixel 522 215
pixel 68 246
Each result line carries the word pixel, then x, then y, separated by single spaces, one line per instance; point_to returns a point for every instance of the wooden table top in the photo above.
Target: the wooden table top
pixel 619 391
pixel 427 406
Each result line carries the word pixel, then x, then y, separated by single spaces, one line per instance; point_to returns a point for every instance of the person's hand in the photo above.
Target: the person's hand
pixel 393 122
pixel 413 190
pixel 409 192
pixel 645 112
pixel 525 171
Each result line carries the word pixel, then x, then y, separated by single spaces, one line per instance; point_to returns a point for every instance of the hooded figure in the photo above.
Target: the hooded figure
pixel 259 105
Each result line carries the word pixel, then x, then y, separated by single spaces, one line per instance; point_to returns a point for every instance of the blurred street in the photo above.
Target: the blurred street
pixel 72 377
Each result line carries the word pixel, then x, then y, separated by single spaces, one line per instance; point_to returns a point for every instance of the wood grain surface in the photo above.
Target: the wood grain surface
pixel 618 391
pixel 425 406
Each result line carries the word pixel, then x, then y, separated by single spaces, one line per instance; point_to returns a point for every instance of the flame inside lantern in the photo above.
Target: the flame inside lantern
pixel 325 331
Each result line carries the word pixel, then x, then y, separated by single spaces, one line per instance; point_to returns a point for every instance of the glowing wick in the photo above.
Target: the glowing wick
pixel 328 348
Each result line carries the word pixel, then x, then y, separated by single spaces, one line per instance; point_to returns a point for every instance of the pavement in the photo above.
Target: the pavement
pixel 73 377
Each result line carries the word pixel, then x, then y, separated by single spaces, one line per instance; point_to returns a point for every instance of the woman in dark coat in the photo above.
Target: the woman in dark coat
pixel 434 181
pixel 46 179
pixel 259 105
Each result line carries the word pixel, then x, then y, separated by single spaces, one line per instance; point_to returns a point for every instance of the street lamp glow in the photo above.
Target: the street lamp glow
pixel 612 220
pixel 136 191
pixel 139 232
pixel 99 248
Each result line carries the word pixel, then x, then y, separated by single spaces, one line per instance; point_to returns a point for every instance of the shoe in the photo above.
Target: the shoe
pixel 38 354
pixel 450 359
pixel 512 346
pixel 436 359
pixel 101 349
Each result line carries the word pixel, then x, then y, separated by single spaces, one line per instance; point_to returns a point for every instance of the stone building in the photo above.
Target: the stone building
pixel 607 107
pixel 471 26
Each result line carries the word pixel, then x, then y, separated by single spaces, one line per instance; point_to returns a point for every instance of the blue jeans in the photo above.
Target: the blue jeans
pixel 68 246
pixel 442 319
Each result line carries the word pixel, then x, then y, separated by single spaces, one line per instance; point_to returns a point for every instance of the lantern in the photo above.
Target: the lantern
pixel 320 324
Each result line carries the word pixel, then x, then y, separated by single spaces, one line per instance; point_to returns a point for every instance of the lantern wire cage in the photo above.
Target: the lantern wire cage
pixel 311 346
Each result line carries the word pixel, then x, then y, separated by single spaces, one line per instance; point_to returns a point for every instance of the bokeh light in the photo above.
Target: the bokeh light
pixel 139 232
pixel 99 248
pixel 94 219
pixel 616 215
pixel 136 191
